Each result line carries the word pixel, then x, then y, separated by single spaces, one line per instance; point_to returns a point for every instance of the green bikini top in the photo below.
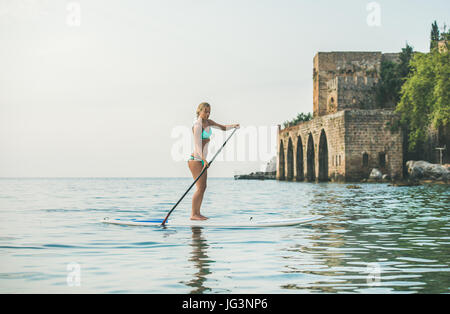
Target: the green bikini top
pixel 206 135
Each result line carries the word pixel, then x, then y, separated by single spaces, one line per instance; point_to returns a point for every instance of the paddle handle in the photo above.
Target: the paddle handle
pixel 201 173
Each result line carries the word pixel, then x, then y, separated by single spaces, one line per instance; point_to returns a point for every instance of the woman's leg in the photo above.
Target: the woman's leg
pixel 196 168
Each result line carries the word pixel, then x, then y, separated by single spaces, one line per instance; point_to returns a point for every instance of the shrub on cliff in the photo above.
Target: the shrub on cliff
pixel 301 117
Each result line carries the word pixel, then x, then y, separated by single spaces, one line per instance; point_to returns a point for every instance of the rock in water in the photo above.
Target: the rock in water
pixel 375 174
pixel 427 171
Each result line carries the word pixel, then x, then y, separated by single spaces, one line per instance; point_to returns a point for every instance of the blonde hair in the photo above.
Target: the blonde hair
pixel 201 107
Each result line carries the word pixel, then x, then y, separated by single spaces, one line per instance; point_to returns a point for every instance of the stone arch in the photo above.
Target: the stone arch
pixel 299 160
pixel 323 156
pixel 310 160
pixel 281 162
pixel 290 161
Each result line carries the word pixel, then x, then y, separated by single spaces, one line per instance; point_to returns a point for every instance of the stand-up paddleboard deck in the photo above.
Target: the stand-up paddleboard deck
pixel 211 223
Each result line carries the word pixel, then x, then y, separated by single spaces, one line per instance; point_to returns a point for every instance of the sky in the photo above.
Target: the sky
pixel 109 88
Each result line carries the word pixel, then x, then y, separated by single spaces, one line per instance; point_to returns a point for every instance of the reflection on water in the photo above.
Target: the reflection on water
pixel 400 234
pixel 200 260
pixel 373 238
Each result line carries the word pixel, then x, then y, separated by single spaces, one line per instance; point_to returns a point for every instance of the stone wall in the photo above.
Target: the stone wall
pixel 392 57
pixel 368 132
pixel 346 92
pixel 341 140
pixel 443 46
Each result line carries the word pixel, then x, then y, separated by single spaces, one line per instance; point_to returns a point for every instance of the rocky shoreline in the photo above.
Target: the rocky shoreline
pixel 419 172
pixel 269 174
pixel 259 175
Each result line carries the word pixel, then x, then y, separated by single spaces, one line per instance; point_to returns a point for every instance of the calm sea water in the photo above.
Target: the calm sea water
pixel 375 239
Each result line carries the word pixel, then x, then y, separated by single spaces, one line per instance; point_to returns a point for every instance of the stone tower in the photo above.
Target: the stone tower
pixel 346 80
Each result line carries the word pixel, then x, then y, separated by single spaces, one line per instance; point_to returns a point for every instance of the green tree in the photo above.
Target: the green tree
pixel 393 76
pixel 435 36
pixel 404 67
pixel 389 85
pixel 425 96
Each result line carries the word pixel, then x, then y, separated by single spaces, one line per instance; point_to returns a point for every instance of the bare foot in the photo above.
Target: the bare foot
pixel 198 217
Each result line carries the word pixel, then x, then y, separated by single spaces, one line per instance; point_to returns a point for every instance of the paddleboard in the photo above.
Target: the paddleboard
pixel 248 223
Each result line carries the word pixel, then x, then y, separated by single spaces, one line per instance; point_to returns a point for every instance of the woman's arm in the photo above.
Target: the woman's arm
pixel 222 127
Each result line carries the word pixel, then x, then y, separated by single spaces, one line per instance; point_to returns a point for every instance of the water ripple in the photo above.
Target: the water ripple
pixel 372 239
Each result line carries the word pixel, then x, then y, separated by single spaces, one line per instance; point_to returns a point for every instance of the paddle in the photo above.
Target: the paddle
pixel 165 219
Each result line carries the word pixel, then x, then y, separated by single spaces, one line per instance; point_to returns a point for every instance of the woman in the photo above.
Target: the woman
pixel 202 132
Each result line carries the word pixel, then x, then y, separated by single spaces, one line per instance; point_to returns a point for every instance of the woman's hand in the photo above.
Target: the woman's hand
pixel 236 126
pixel 206 164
